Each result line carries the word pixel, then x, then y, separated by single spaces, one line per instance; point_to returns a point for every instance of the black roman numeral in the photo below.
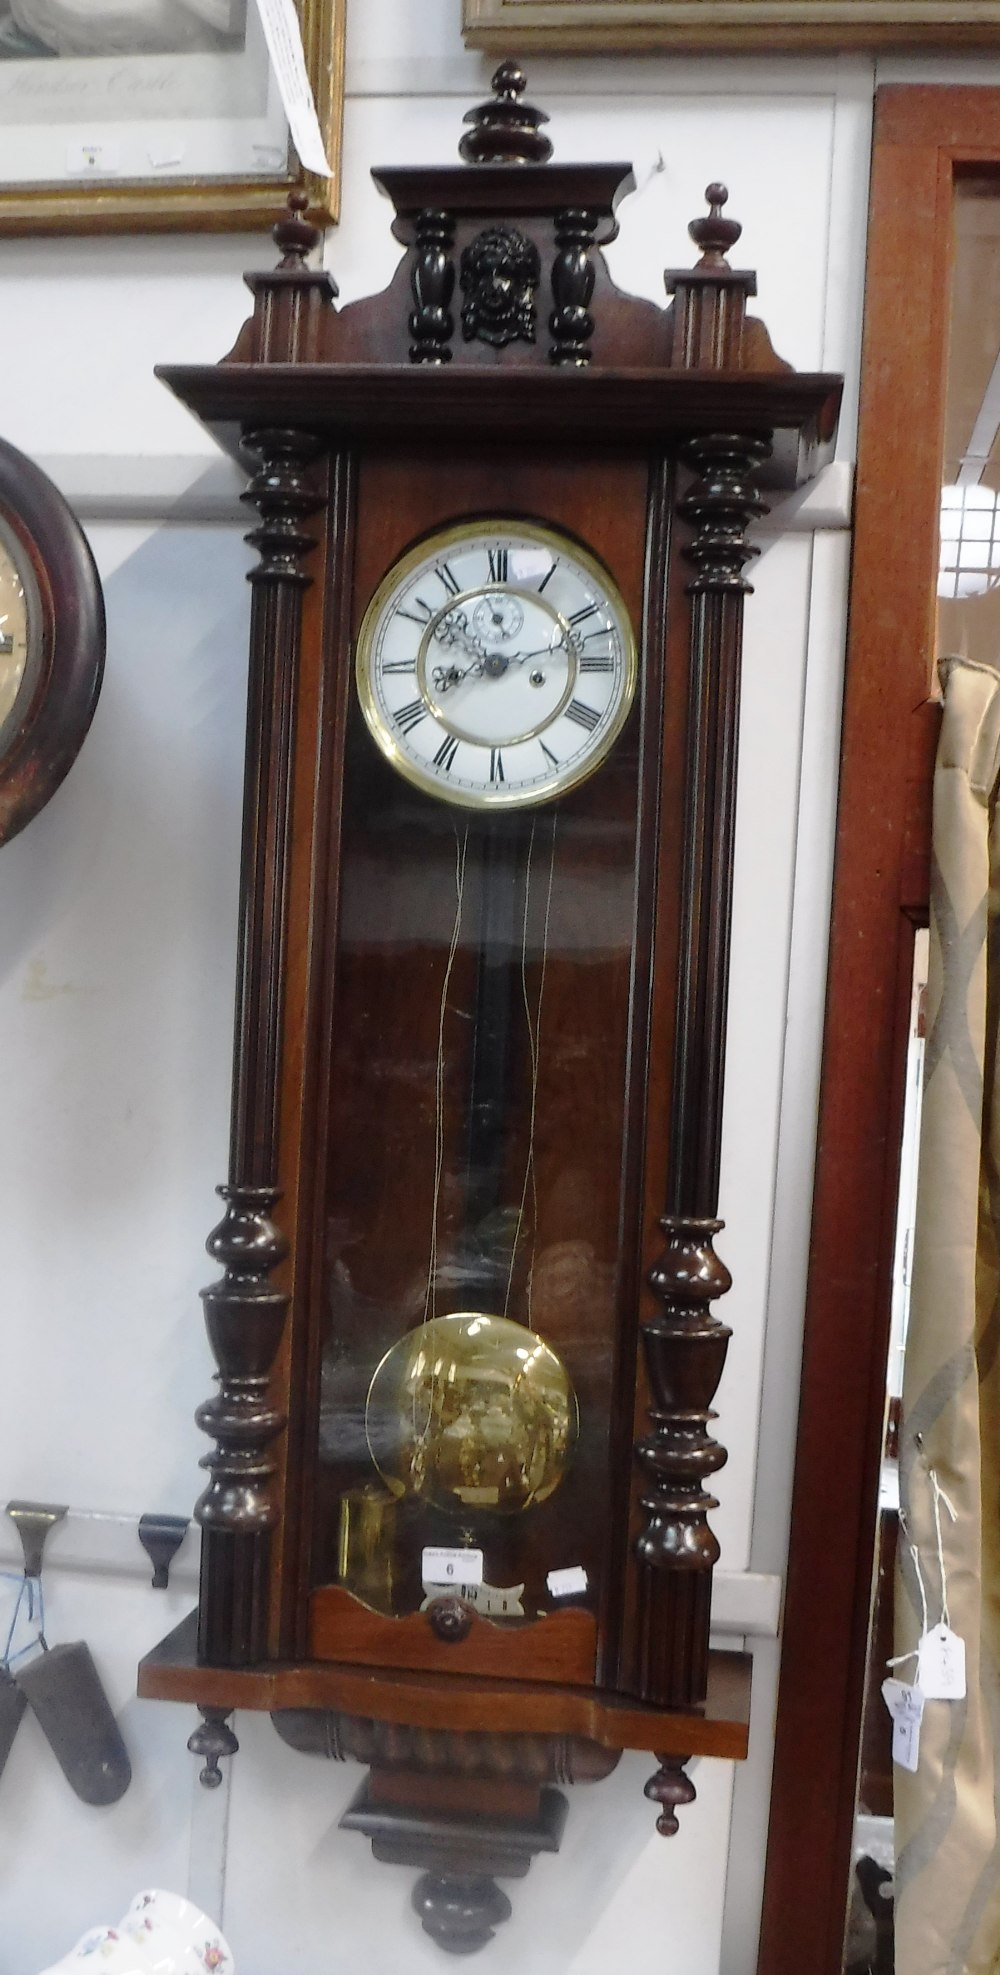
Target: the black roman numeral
pixel 444 575
pixel 498 565
pixel 549 756
pixel 584 715
pixel 409 716
pixel 581 616
pixel 412 615
pixel 496 765
pixel 547 578
pixel 446 753
pixel 594 663
pixel 400 665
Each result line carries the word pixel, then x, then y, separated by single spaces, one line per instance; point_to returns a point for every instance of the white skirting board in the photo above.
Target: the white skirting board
pixel 746 1604
pixel 195 487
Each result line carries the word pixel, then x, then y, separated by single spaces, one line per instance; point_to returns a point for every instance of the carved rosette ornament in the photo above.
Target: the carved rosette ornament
pixel 501 269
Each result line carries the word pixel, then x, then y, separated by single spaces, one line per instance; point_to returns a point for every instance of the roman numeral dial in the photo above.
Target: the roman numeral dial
pixel 496 664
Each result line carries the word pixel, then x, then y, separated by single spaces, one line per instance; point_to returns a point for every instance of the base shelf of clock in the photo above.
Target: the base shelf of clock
pixel 173 1672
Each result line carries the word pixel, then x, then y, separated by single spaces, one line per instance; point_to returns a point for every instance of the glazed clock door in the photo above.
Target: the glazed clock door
pixel 483 1145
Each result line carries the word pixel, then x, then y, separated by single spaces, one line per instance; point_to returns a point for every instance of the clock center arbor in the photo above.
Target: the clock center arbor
pixel 457 1518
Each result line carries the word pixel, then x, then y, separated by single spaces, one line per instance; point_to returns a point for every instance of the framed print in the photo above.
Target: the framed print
pixel 148 115
pixel 712 25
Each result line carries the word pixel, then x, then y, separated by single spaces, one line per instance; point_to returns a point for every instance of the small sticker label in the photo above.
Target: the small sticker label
pixel 450 1567
pixel 568 1583
pixel 97 159
pixel 164 156
pixel 492 1600
pixel 906 1706
pixel 941 1665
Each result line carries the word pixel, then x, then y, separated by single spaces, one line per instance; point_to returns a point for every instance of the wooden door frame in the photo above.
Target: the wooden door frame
pixel 923 138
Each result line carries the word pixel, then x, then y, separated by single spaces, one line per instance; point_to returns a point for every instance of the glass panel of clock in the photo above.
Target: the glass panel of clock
pixel 475 1184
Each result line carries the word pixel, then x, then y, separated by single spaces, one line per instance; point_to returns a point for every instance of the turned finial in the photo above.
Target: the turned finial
pixel 295 235
pixel 506 131
pixel 714 234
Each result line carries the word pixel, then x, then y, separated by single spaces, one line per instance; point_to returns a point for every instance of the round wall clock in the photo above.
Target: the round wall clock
pixel 51 639
pixel 496 664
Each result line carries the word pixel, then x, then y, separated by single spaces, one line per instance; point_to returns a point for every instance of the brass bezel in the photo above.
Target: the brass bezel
pixel 429 549
pixel 204 205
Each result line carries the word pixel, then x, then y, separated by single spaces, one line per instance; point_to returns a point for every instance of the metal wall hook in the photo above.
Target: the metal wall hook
pixel 33 1521
pixel 161 1538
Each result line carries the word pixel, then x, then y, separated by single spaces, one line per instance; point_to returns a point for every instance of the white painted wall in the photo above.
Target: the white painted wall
pixel 117 917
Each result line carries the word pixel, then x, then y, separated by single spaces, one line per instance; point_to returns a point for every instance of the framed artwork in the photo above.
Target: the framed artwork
pixel 710 25
pixel 149 115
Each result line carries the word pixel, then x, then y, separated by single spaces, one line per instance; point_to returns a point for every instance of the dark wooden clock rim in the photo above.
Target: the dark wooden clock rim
pixel 623 409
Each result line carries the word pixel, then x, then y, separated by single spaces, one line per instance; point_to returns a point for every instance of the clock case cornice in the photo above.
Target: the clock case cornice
pixel 585 409
pixel 501 338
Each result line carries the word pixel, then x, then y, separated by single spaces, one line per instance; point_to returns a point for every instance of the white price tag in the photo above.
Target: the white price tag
pixel 568 1583
pixel 941 1665
pixel 906 1706
pixel 283 34
pixel 449 1567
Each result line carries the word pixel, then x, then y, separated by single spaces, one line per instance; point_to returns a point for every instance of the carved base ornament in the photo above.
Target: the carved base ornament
pixel 457 1525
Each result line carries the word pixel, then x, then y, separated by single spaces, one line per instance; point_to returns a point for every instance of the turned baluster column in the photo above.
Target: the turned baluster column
pixel 245 1310
pixel 573 276
pixel 685 1342
pixel 432 281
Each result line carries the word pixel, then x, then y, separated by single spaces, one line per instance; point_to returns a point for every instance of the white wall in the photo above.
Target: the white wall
pixel 117 917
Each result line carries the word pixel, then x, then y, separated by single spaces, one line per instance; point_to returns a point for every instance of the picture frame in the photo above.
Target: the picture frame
pixel 717 26
pixel 206 150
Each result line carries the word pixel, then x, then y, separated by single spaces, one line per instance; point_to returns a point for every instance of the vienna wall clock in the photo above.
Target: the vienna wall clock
pixel 457 1524
pixel 51 639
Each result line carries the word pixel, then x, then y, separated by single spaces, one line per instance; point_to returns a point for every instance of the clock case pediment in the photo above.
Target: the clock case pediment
pixel 500 373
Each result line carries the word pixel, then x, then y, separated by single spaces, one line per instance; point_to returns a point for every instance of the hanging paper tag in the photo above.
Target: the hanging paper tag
pixel 906 1706
pixel 568 1583
pixel 450 1567
pixel 283 35
pixel 941 1665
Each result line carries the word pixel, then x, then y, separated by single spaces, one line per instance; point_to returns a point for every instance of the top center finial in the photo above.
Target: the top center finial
pixel 506 131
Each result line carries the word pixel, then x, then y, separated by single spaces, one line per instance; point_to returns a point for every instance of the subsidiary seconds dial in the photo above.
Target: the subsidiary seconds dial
pixel 496 664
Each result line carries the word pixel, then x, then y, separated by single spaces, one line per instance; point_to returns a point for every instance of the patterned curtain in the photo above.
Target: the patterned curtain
pixel 948 1811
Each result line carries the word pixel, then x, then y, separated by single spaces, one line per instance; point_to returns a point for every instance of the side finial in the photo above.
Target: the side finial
pixel 295 235
pixel 506 131
pixel 714 234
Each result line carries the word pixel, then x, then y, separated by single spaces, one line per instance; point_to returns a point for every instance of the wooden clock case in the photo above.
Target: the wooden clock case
pixel 646 433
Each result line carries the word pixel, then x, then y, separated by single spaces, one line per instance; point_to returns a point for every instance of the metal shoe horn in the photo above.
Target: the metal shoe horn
pixel 62 1686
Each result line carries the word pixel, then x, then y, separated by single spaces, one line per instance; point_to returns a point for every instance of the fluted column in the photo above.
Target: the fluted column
pixel 684 1341
pixel 245 1310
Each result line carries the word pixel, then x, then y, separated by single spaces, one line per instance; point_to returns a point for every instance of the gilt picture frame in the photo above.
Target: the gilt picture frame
pixel 716 26
pixel 157 115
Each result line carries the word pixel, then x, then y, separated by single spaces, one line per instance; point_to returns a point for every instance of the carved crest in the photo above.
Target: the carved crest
pixel 500 272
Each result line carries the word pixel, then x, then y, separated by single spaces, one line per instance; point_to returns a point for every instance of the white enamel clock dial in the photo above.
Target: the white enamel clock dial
pixel 496 664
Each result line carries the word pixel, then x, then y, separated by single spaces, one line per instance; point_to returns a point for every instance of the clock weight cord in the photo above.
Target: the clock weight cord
pixel 494 874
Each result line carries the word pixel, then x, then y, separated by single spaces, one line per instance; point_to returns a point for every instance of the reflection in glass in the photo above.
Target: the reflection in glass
pixel 968 595
pixel 476 1262
pixel 471 1411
